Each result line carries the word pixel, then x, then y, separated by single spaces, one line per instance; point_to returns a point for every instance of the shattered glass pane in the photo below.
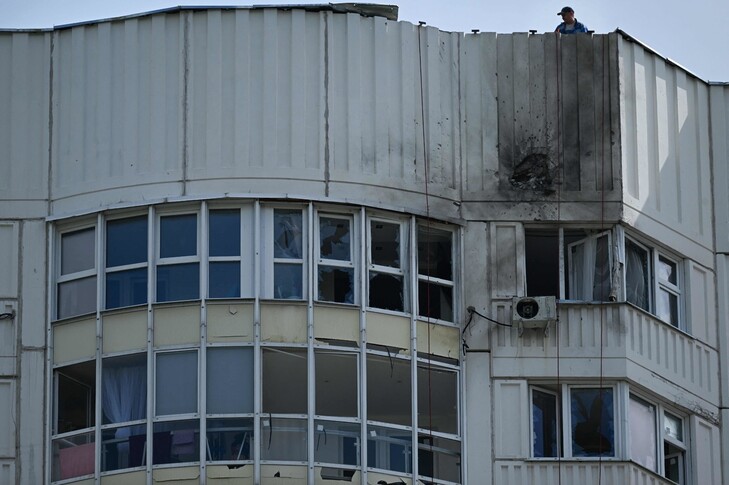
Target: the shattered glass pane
pixel 435 301
pixel 386 291
pixel 336 284
pixel 335 239
pixel 287 234
pixel 385 243
pixel 435 257
pixel 593 424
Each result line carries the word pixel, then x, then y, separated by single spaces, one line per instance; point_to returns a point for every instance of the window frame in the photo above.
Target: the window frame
pixel 126 267
pixel 563 393
pixel 245 257
pixel 268 259
pixel 159 261
pixel 655 254
pixel 662 438
pixel 401 272
pixel 434 280
pixel 61 230
pixel 155 418
pixel 354 244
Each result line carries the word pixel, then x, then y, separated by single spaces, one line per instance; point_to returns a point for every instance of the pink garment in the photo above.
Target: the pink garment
pixel 76 461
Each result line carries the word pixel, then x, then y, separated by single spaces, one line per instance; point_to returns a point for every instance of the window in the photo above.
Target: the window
pixel 650 425
pixel 288 254
pixel 224 258
pixel 74 412
pixel 435 273
pixel 123 400
pixel 584 268
pixel 230 380
pixel 437 399
pixel 335 274
pixel 284 380
pixel 337 385
pixel 178 268
pixel 176 383
pixel 653 282
pixel 126 262
pixel 388 389
pixel 386 267
pixel 76 292
pixel 589 422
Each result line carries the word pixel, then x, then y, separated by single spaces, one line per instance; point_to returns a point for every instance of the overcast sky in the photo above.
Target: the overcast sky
pixel 693 34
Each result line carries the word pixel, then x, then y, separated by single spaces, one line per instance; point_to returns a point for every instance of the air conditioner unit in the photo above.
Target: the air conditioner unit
pixel 533 311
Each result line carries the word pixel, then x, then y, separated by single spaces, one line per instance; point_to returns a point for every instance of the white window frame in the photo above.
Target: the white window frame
pixel 588 242
pixel 175 417
pixel 126 267
pixel 563 393
pixel 169 261
pixel 245 251
pixel 267 250
pixel 433 280
pixel 402 271
pixel 656 285
pixel 661 437
pixel 78 275
pixel 336 263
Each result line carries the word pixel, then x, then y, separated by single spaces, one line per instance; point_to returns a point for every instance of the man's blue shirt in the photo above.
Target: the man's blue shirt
pixel 579 27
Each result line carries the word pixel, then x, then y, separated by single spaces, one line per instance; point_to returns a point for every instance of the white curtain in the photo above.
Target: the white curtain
pixel 590 268
pixel 125 393
pixel 636 267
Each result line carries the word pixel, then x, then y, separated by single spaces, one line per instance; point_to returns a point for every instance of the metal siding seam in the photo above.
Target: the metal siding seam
pixel 326 105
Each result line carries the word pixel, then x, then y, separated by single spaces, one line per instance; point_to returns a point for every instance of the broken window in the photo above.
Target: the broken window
pixel 386 268
pixel 224 251
pixel 77 279
pixel 178 268
pixel 589 417
pixel 435 273
pixel 126 262
pixel 542 262
pixel 592 422
pixel 674 449
pixel 335 276
pixel 288 254
pixel 637 275
pixel 284 380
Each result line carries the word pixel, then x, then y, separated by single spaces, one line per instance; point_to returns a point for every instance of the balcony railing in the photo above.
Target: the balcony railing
pixel 615 340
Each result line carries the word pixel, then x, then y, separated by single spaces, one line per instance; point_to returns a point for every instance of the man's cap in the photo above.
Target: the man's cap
pixel 565 10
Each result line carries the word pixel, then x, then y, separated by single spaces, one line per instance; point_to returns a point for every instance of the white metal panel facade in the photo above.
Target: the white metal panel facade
pixel 719 106
pixel 24 138
pixel 665 147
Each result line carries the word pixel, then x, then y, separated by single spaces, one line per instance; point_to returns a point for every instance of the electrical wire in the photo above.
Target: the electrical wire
pixel 473 311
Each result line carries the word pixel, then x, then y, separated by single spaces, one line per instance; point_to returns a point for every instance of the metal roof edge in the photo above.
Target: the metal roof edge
pixel 668 60
pixel 390 12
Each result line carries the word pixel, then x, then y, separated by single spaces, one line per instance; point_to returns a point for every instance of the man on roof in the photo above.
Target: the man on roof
pixel 569 24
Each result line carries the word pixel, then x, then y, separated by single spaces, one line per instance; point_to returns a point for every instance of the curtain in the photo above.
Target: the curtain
pixel 125 393
pixel 590 269
pixel 636 275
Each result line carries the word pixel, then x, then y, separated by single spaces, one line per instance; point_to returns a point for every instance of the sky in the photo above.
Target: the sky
pixel 692 34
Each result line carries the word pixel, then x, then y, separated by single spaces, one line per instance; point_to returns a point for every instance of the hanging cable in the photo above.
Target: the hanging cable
pixel 427 242
pixel 560 178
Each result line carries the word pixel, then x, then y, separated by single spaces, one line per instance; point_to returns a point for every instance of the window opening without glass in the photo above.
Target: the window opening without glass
pixel 435 273
pixel 288 254
pixel 386 271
